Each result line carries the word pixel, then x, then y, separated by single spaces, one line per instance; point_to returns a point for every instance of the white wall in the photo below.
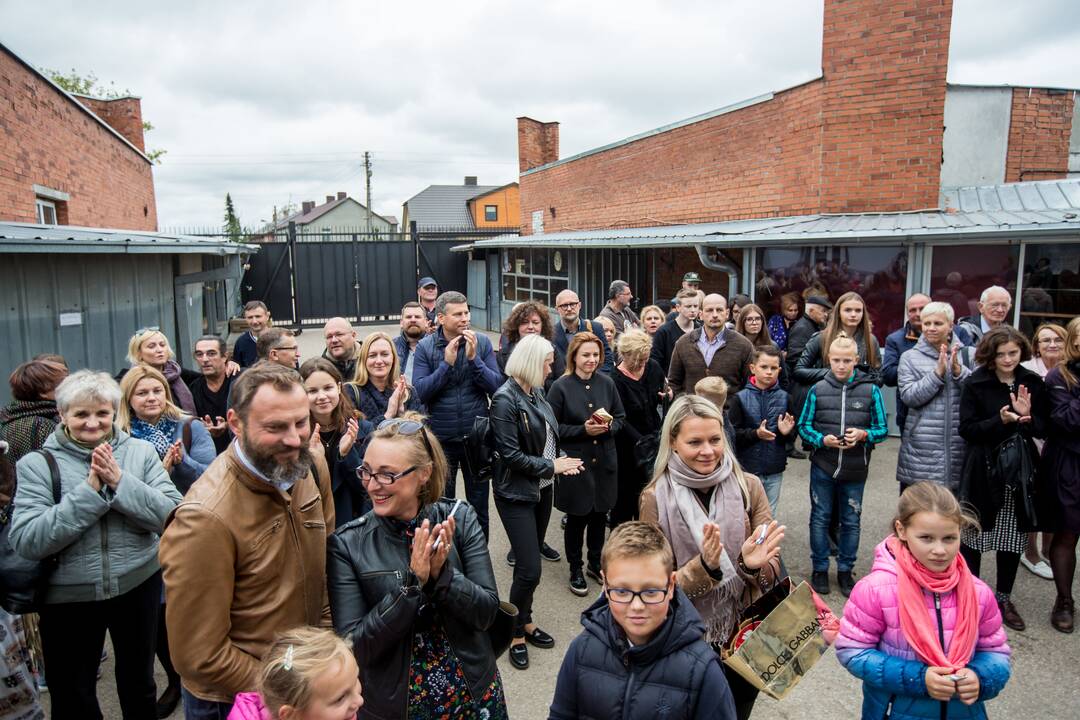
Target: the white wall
pixel 976 138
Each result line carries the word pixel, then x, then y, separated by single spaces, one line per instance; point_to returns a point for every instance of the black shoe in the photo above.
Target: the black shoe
pixel 820 582
pixel 519 656
pixel 562 523
pixel 510 559
pixel 539 638
pixel 578 586
pixel 550 554
pixel 594 573
pixel 845 581
pixel 797 454
pixel 169 699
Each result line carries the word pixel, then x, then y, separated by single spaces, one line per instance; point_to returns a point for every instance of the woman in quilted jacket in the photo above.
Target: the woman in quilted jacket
pixel 921 631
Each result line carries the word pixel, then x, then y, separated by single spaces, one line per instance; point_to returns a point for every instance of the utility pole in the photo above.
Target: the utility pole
pixel 367 176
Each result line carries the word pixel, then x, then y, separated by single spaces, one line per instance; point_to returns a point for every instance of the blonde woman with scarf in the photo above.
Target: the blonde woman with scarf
pixel 712 514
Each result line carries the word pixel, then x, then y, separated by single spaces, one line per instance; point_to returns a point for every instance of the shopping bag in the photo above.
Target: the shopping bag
pixel 781 636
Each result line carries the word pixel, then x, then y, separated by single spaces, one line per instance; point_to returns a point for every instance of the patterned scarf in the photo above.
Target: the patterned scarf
pixel 682 518
pixel 160 435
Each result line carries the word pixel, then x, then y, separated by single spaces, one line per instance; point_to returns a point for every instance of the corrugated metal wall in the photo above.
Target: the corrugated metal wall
pixel 114 295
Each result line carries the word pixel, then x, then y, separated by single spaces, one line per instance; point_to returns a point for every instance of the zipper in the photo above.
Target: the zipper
pixel 941 639
pixel 888 708
pixel 843 420
pixel 626 695
pixel 299 553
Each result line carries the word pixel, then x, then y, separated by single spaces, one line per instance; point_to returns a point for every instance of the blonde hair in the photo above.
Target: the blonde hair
pixel 526 362
pixel 136 342
pixel 930 497
pixel 689 406
pixel 127 388
pixel 1072 355
pixel 842 341
pixel 294 662
pixel 834 327
pixel 637 539
pixel 607 323
pixel 360 376
pixel 652 309
pixel 423 449
pixel 635 343
pixel 713 388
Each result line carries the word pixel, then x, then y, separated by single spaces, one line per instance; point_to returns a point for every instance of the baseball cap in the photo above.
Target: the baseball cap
pixel 691 277
pixel 425 281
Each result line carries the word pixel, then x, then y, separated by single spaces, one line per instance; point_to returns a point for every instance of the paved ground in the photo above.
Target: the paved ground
pixel 1044 683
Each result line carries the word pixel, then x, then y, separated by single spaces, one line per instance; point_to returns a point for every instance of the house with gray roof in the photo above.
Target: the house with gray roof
pixel 445 207
pixel 339 214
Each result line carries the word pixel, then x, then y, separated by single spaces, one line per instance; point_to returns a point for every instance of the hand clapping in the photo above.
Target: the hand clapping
pixel 426 561
pixel 103 465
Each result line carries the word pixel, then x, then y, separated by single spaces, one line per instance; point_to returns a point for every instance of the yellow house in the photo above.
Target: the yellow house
pixel 496 208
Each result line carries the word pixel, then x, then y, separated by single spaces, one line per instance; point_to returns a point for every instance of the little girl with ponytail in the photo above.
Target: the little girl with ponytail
pixel 308 674
pixel 920 630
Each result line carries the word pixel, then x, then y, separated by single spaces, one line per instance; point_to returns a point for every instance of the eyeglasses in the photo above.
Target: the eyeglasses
pixel 1051 341
pixel 649 596
pixel 568 306
pixel 383 478
pixel 287 347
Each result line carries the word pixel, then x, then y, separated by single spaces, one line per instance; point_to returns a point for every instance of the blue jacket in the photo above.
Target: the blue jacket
pixel 196 458
pixel 244 351
pixel 561 341
pixel 748 408
pixel 674 675
pixel 403 352
pixel 454 395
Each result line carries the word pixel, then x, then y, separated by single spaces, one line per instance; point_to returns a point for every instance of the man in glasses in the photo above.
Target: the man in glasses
pixel 279 346
pixel 645 617
pixel 570 323
pixel 342 347
pixel 994 306
pixel 244 556
pixel 455 373
pixel 618 309
pixel 211 391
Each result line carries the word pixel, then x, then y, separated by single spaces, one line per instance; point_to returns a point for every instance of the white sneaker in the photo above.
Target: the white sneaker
pixel 1039 568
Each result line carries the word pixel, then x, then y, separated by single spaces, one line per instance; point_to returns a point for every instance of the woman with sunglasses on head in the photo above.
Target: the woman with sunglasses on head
pixel 150 346
pixel 411 585
pixel 339 432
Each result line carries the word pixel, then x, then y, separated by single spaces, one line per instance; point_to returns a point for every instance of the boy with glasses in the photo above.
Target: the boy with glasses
pixel 642 648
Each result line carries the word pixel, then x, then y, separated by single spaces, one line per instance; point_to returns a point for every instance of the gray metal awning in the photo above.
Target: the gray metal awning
pixel 32 238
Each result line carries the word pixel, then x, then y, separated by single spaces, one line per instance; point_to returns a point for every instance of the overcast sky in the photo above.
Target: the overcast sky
pixel 277 101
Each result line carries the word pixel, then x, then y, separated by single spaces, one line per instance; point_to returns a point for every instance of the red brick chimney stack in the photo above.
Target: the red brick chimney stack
pixel 124 115
pixel 538 143
pixel 884 64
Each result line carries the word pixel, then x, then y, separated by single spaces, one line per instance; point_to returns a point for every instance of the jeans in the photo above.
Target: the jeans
pixel 476 489
pixel 772 489
pixel 589 528
pixel 525 523
pixel 824 491
pixel 196 708
pixel 72 637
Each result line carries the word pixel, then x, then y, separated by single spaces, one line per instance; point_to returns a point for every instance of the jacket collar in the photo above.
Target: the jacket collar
pixel 245 476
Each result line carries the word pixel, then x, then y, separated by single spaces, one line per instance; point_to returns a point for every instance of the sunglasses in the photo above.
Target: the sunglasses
pixel 148 329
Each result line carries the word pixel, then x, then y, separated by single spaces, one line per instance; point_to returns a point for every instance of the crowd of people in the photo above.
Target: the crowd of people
pixel 285 535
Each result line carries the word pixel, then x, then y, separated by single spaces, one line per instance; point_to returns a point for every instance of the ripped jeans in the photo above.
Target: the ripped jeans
pixel 848 497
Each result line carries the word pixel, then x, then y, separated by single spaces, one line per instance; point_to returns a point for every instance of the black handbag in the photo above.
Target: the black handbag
pixel 1014 466
pixel 645 450
pixel 23 582
pixel 480 448
pixel 501 631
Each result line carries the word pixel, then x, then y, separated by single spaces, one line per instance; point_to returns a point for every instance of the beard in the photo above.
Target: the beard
pixel 415 331
pixel 289 473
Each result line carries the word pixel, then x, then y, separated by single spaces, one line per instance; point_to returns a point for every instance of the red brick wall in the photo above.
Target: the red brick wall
pixel 538 143
pixel 123 114
pixel 46 139
pixel 1039 135
pixel 884 64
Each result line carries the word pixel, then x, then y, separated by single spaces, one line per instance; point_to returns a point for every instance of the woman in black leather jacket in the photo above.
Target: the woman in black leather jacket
pixel 527 442
pixel 411 585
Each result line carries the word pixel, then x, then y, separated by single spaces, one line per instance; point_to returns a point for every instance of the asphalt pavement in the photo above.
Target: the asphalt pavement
pixel 1045 682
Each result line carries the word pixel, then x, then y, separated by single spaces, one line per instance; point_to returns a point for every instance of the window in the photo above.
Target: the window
pixel 46 212
pixel 959 274
pixel 491 213
pixel 1051 291
pixel 529 274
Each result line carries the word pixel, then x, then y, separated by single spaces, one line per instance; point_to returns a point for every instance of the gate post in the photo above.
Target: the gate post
pixel 295 277
pixel 356 276
pixel 416 249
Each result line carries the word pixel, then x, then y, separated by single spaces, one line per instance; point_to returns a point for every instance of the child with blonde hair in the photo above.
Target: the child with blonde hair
pixel 308 674
pixel 920 630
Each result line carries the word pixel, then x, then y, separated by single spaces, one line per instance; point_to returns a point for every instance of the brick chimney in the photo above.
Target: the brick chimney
pixel 470 180
pixel 341 195
pixel 884 64
pixel 124 115
pixel 329 199
pixel 538 143
pixel 307 206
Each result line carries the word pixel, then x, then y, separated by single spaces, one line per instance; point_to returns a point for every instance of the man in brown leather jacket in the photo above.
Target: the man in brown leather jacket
pixel 244 556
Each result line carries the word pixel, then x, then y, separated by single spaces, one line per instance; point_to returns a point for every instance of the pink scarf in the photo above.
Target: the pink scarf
pixel 919 628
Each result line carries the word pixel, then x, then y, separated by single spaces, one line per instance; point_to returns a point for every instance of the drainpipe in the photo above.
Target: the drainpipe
pixel 722 264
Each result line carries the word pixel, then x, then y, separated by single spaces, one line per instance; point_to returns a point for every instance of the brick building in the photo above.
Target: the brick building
pixel 69 159
pixel 877 174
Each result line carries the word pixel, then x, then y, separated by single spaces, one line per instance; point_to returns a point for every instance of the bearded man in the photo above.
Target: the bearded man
pixel 244 556
pixel 414 328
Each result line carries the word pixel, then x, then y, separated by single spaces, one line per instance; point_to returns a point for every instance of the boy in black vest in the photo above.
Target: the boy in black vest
pixel 642 654
pixel 762 423
pixel 842 419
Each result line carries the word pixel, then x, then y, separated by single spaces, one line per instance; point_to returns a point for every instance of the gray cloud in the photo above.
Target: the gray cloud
pixel 274 101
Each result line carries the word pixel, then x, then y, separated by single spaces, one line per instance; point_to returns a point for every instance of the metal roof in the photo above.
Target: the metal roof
pixel 302 218
pixel 445 205
pixel 65 239
pixel 1050 207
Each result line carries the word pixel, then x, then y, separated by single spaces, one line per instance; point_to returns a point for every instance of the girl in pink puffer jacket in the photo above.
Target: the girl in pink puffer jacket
pixel 920 630
pixel 308 673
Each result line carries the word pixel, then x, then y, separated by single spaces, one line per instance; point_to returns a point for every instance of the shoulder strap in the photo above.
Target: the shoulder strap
pixel 54 473
pixel 185 433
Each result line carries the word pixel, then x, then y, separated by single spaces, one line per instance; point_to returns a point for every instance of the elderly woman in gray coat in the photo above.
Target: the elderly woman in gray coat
pixel 114 498
pixel 929 378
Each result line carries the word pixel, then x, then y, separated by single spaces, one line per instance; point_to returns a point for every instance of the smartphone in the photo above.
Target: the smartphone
pixel 453 511
pixel 955 678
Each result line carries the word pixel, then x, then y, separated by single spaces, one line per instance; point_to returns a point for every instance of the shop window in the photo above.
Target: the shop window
pixel 1051 286
pixel 878 274
pixel 533 274
pixel 959 274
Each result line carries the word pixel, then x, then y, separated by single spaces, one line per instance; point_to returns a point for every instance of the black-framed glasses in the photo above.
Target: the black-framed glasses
pixel 568 306
pixel 383 478
pixel 649 596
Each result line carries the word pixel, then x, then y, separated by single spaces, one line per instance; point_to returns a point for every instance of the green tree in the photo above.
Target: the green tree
pixel 88 84
pixel 232 223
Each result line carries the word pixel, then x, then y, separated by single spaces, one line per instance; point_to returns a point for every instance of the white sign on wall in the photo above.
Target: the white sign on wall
pixel 538 221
